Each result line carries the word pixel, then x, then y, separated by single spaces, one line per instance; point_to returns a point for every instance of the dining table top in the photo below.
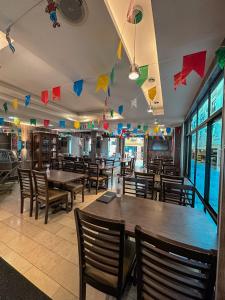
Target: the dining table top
pixel 179 223
pixel 59 176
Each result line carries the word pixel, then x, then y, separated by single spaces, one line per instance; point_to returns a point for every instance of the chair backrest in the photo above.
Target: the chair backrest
pixel 135 187
pixel 157 161
pixel 171 179
pixel 86 159
pixel 169 169
pixel 151 182
pixel 153 168
pixel 41 185
pixel 79 167
pixel 109 162
pixel 178 194
pixel 93 169
pixel 100 245
pixel 68 165
pixel 170 270
pixel 98 161
pixel 25 180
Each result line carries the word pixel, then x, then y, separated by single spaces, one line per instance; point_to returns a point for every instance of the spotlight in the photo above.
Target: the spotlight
pixel 134 72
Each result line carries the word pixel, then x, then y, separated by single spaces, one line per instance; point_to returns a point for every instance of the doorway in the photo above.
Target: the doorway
pixel 134 147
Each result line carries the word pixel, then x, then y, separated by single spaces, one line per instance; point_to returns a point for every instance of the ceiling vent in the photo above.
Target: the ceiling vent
pixel 74 11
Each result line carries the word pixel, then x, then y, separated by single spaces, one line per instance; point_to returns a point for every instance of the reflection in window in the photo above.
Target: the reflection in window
pixel 215 164
pixel 193 154
pixel 201 158
pixel 217 97
pixel 194 121
pixel 203 112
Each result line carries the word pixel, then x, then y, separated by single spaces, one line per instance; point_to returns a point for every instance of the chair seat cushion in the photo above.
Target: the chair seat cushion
pixel 111 280
pixel 73 187
pixel 100 178
pixel 54 195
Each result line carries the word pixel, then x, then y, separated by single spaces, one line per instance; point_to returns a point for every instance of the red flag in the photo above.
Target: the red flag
pixel 56 93
pixel 194 62
pixel 106 125
pixel 179 78
pixel 44 97
pixel 46 123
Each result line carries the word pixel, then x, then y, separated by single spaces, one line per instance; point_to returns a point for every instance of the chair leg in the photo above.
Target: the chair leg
pixel 31 206
pixel 46 213
pixel 36 210
pixel 21 204
pixel 72 197
pixel 83 194
pixel 82 290
pixel 67 206
pixel 96 188
pixel 89 186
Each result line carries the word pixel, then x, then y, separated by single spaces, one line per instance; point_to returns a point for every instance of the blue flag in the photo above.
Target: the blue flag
pixel 62 124
pixel 27 100
pixel 120 126
pixel 120 109
pixel 128 126
pixel 2 121
pixel 78 87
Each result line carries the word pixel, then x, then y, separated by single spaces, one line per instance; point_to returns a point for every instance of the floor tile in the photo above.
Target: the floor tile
pixel 68 234
pixel 63 294
pixel 17 261
pixel 4 214
pixel 22 244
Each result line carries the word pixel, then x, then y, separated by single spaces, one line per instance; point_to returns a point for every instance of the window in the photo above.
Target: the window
pixel 215 164
pixel 193 157
pixel 203 112
pixel 201 158
pixel 217 97
pixel 194 122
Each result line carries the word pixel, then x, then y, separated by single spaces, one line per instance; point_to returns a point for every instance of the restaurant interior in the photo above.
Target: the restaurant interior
pixel 112 182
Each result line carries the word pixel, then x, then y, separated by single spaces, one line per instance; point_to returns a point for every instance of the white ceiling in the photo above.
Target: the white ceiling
pixel 47 57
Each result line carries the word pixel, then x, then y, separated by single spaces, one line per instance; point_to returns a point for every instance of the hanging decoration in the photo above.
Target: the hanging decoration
pixel 152 93
pixel 119 131
pixel 44 97
pixel 120 109
pixel 120 126
pixel 220 57
pixel 33 122
pixel 89 125
pixel 15 104
pixel 133 103
pixel 139 127
pixel 27 100
pixel 93 124
pixel 106 125
pixel 16 121
pixel 179 79
pixel 120 50
pixel 78 87
pixel 156 129
pixel 51 10
pixel 56 93
pixel 130 12
pixel 145 128
pixel 168 130
pixel 102 83
pixel 2 122
pixel 5 107
pixel 194 62
pixel 11 47
pixel 62 124
pixel 128 126
pixel 112 113
pixel 135 131
pixel 46 123
pixel 143 71
pixel 112 76
pixel 76 124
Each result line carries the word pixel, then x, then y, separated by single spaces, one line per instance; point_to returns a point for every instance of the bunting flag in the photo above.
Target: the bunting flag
pixel 143 75
pixel 46 123
pixel 168 130
pixel 112 76
pixel 27 100
pixel 130 11
pixel 62 124
pixel 135 131
pixel 145 128
pixel 139 127
pixel 89 125
pixel 56 93
pixel 120 126
pixel 76 124
pixel 16 121
pixel 78 87
pixel 179 79
pixel 119 50
pixel 119 131
pixel 2 122
pixel 194 62
pixel 33 122
pixel 220 57
pixel 15 104
pixel 102 83
pixel 93 124
pixel 156 129
pixel 112 113
pixel 5 107
pixel 109 92
pixel 44 97
pixel 106 125
pixel 128 126
pixel 152 93
pixel 120 109
pixel 133 103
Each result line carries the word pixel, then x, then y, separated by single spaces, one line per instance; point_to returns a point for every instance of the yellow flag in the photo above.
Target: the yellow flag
pixel 76 124
pixel 15 103
pixel 156 129
pixel 119 50
pixel 102 83
pixel 17 121
pixel 152 93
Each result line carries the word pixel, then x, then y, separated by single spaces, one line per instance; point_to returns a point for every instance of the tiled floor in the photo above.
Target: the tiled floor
pixel 45 254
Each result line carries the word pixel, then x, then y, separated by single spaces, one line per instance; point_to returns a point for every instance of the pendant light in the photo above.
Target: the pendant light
pixel 134 70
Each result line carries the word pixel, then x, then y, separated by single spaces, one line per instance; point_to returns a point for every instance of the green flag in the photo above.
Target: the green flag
pixel 5 107
pixel 139 127
pixel 33 122
pixel 145 128
pixel 143 75
pixel 112 113
pixel 112 76
pixel 220 57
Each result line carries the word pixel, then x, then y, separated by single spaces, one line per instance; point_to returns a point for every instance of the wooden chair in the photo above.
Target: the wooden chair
pixel 171 179
pixel 95 177
pixel 135 187
pixel 106 258
pixel 153 168
pixel 109 163
pixel 151 182
pixel 68 165
pixel 26 188
pixel 170 270
pixel 169 169
pixel 74 188
pixel 79 167
pixel 47 196
pixel 178 194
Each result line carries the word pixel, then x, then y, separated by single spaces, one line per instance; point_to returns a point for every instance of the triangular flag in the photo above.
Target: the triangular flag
pixel 2 122
pixel 133 103
pixel 33 122
pixel 5 107
pixel 120 109
pixel 76 124
pixel 119 50
pixel 112 113
pixel 220 57
pixel 78 87
pixel 93 124
pixel 130 11
pixel 15 104
pixel 194 62
pixel 128 126
pixel 102 83
pixel 106 125
pixel 145 128
pixel 44 97
pixel 27 100
pixel 152 93
pixel 139 127
pixel 56 93
pixel 179 79
pixel 16 121
pixel 143 75
pixel 46 123
pixel 62 124
pixel 112 76
pixel 89 125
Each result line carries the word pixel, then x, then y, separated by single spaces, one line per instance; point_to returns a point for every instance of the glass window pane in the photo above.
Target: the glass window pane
pixel 203 112
pixel 193 157
pixel 217 97
pixel 194 122
pixel 201 156
pixel 215 164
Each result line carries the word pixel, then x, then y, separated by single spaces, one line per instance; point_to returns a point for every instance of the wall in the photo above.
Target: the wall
pixel 152 154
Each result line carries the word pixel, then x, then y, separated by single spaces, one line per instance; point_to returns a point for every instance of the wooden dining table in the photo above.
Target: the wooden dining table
pixel 179 223
pixel 58 176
